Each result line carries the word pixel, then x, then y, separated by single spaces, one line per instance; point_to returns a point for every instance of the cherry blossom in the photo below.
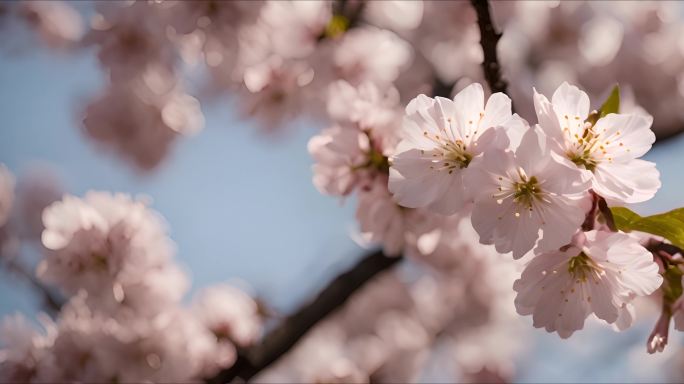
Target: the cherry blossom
pixel 124 320
pixel 371 54
pixel 107 245
pixel 384 222
pixel 395 15
pixel 595 45
pixel 56 22
pixel 351 153
pixel 24 349
pixel 449 184
pixel 87 346
pixel 528 197
pixel 341 156
pixel 130 37
pixel 658 338
pixel 441 138
pixel 141 120
pixel 600 273
pixel 276 90
pixel 229 313
pixel 295 26
pixel 449 38
pixel 609 149
pixel 209 16
pixel 365 106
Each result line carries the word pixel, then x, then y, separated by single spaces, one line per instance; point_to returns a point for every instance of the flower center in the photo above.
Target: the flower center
pixel 582 266
pixel 454 153
pixel 587 150
pixel 526 190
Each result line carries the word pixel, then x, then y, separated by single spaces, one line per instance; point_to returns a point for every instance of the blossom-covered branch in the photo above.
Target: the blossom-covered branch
pixel 444 175
pixel 281 339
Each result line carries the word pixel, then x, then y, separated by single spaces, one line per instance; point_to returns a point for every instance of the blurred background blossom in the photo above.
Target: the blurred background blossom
pixel 202 111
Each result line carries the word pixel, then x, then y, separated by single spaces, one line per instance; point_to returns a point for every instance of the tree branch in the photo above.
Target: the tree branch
pixel 281 339
pixel 667 136
pixel 52 303
pixel 440 88
pixel 607 214
pixel 489 38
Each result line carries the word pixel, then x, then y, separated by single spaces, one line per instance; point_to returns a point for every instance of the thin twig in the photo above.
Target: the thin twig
pixel 607 214
pixel 590 219
pixel 441 88
pixel 52 302
pixel 489 38
pixel 668 136
pixel 665 250
pixel 281 339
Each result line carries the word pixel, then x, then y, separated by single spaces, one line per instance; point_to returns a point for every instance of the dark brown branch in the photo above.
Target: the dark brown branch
pixel 441 88
pixel 281 339
pixel 667 136
pixel 665 250
pixel 590 219
pixel 489 38
pixel 607 214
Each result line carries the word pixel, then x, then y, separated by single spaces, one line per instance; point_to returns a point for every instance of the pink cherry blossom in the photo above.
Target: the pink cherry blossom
pixel 528 197
pixel 140 120
pixel 130 37
pixel 341 155
pixel 657 340
pixel 56 22
pixel 23 349
pixel 601 274
pixel 365 106
pixel 88 347
pixel 295 26
pixel 441 138
pixel 229 313
pixel 209 16
pixel 276 91
pixel 449 39
pixel 396 15
pixel 608 150
pixel 382 221
pixel 108 245
pixel 371 54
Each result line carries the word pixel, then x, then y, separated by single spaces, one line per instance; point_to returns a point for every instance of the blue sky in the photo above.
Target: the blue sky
pixel 241 205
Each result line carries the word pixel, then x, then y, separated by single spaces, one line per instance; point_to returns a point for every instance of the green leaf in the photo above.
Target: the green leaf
pixel 669 225
pixel 672 289
pixel 612 103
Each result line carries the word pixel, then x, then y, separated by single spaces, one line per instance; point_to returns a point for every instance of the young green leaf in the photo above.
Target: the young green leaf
pixel 612 103
pixel 669 225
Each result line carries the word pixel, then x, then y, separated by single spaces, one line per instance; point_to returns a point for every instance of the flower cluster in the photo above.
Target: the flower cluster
pixel 450 182
pixel 279 57
pixel 124 320
pixel 530 190
pixel 596 44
